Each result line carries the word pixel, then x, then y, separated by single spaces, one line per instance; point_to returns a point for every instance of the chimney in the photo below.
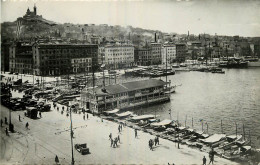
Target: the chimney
pixel 155 39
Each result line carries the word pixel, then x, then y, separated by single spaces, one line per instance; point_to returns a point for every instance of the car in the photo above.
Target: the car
pixel 82 148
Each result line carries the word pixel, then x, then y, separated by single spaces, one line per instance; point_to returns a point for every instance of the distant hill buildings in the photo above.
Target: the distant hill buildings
pixel 34 45
pixel 31 16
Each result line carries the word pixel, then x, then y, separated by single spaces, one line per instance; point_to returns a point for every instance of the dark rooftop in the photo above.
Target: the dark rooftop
pixel 129 86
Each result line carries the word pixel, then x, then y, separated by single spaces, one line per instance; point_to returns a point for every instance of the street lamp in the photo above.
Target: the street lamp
pixel 11 126
pixel 71 138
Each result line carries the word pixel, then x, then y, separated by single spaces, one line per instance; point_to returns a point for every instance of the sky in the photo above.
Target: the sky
pixel 221 17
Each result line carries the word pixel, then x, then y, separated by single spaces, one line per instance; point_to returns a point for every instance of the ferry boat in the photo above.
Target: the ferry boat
pixel 234 63
pixel 125 95
pixel 252 61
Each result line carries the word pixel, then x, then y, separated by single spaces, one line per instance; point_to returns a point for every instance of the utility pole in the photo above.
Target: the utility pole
pixel 71 138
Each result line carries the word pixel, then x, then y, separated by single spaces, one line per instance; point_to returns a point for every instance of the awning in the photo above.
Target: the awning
pixel 113 111
pixel 143 117
pixel 214 138
pixel 162 123
pixel 124 114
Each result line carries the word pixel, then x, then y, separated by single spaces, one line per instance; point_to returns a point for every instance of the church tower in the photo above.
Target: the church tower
pixel 35 10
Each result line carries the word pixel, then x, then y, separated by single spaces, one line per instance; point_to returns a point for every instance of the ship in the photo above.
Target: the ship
pixel 234 63
pixel 252 61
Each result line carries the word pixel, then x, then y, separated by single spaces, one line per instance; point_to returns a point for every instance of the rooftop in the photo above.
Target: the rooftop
pixel 129 86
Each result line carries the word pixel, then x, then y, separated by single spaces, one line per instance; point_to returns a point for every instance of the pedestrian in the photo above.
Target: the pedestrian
pixel 19 118
pixel 57 159
pixel 152 144
pixel 110 136
pixel 27 125
pixel 118 138
pixel 158 140
pixel 83 117
pixel 40 114
pixel 1 123
pixel 204 160
pixel 87 116
pixel 115 142
pixel 135 133
pixel 211 156
pixel 6 132
pixel 155 141
pixel 119 128
pixel 6 120
pixel 62 107
pixel 57 108
pixel 111 142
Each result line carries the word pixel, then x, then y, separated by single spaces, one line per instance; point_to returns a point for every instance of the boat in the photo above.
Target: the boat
pixel 234 63
pixel 252 61
pixel 217 70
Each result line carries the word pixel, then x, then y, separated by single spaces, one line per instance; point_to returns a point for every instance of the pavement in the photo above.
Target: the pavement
pixel 50 136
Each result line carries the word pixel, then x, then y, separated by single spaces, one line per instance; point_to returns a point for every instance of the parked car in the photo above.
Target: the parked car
pixel 82 148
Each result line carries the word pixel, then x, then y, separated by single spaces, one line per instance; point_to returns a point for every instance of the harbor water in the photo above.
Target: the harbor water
pixel 233 97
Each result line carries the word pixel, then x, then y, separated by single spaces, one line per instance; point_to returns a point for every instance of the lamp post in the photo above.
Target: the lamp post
pixel 71 139
pixel 11 127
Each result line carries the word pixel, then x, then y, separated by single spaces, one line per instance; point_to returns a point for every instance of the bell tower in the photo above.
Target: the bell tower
pixel 35 10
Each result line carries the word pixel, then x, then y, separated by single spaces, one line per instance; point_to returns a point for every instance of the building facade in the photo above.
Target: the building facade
pixel 181 52
pixel 61 59
pixel 21 58
pixel 118 55
pixel 143 56
pixel 5 56
pixel 156 49
pixel 168 50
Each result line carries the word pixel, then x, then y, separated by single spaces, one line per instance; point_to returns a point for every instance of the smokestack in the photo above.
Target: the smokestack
pixel 155 39
pixel 188 33
pixel 129 36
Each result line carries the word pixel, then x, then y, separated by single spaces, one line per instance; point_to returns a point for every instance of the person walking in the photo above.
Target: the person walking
pixel 27 125
pixel 83 117
pixel 40 114
pixel 1 123
pixel 118 138
pixel 110 136
pixel 158 140
pixel 155 141
pixel 111 143
pixel 6 132
pixel 119 128
pixel 152 144
pixel 204 160
pixel 6 120
pixel 57 159
pixel 19 118
pixel 135 133
pixel 87 116
pixel 211 156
